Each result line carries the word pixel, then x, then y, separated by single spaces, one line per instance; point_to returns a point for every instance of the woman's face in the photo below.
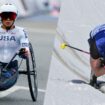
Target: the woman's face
pixel 8 18
pixel 7 22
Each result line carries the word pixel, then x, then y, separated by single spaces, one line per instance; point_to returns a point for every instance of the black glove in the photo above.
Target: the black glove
pixel 22 52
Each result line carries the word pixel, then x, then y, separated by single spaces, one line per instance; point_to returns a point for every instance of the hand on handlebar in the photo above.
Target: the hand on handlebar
pixel 23 53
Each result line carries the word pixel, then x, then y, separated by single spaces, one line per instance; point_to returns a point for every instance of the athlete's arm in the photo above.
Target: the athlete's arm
pixel 24 42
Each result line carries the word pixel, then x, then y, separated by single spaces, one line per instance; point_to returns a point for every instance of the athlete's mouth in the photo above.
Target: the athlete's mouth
pixel 8 23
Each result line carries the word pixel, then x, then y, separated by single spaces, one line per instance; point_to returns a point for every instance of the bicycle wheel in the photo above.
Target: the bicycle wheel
pixel 32 74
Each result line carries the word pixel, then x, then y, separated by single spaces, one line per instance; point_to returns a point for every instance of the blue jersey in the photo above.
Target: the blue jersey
pixel 99 35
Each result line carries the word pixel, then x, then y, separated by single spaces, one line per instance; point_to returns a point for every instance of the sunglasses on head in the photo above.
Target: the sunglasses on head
pixel 6 15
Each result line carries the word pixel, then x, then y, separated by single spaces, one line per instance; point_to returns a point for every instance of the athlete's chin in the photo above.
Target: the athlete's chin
pixel 8 25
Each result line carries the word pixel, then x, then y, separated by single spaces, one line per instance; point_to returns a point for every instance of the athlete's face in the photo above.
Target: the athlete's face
pixel 7 22
pixel 8 18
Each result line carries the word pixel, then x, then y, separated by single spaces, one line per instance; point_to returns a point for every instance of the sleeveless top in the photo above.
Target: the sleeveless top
pixel 99 35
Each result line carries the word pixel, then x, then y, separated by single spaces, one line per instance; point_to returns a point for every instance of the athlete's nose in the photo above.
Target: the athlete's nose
pixel 8 18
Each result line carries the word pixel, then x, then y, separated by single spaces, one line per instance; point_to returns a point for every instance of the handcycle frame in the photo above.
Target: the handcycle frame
pixel 30 71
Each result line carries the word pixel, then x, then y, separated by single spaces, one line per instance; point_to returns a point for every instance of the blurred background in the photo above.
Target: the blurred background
pixel 39 18
pixel 29 7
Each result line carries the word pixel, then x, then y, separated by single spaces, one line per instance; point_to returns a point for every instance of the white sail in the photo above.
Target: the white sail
pixel 70 68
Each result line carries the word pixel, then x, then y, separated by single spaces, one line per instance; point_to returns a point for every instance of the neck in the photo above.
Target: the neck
pixel 8 28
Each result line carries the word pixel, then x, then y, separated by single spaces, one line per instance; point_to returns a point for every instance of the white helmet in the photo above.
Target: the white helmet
pixel 8 8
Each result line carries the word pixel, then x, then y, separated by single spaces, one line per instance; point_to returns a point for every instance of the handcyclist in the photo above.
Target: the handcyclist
pixel 12 40
pixel 97 53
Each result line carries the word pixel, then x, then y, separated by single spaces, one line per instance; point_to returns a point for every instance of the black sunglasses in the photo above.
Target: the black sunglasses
pixel 6 15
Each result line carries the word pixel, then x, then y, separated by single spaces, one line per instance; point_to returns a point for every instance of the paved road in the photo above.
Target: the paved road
pixel 41 31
